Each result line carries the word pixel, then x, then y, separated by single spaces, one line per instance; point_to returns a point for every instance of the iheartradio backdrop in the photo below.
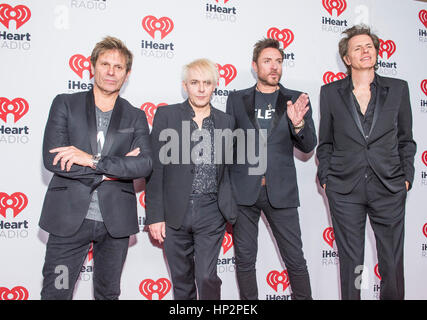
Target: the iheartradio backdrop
pixel 45 48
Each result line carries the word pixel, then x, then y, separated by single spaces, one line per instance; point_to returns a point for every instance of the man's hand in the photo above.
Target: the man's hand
pixel 407 185
pixel 71 155
pixel 297 110
pixel 158 231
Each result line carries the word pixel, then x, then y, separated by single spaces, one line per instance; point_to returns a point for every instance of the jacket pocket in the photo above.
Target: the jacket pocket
pixel 57 188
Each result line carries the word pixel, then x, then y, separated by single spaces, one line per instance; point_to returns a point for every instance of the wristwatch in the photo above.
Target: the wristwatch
pixel 300 125
pixel 95 160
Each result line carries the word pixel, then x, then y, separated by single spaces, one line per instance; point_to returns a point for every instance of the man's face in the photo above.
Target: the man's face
pixel 199 87
pixel 269 67
pixel 110 71
pixel 361 54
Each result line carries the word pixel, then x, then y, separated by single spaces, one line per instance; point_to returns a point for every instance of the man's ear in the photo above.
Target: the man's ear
pixel 255 66
pixel 346 60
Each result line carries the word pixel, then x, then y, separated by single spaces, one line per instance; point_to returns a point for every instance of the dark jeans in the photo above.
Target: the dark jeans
pixel 65 257
pixel 285 226
pixel 386 213
pixel 192 251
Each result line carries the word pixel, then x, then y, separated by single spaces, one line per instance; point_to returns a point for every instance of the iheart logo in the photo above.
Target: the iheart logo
pixel 142 199
pixel 16 293
pixel 425 229
pixel 330 5
pixel 329 76
pixel 148 287
pixel 285 36
pixel 150 109
pixel 377 272
pixel 225 1
pixel 90 253
pixel 227 242
pixel 21 14
pixel 329 236
pixel 151 24
pixel 423 17
pixel 18 107
pixel 387 46
pixel 424 86
pixel 424 158
pixel 16 201
pixel 228 72
pixel 78 63
pixel 274 278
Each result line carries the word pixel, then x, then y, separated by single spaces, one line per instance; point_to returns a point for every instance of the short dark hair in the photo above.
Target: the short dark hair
pixel 266 43
pixel 355 31
pixel 111 43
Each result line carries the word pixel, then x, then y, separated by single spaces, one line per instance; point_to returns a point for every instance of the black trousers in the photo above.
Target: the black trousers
pixel 192 251
pixel 285 226
pixel 386 212
pixel 65 257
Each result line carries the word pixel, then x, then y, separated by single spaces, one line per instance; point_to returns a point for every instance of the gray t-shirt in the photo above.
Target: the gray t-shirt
pixel 102 123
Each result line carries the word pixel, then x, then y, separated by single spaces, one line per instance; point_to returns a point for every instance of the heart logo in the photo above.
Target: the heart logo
pixel 285 36
pixel 228 72
pixel 225 1
pixel 425 230
pixel 151 24
pixel 227 242
pixel 377 272
pixel 423 17
pixel 20 14
pixel 329 236
pixel 424 86
pixel 148 287
pixel 142 199
pixel 274 278
pixel 16 201
pixel 78 63
pixel 387 46
pixel 329 76
pixel 90 253
pixel 424 158
pixel 16 293
pixel 150 109
pixel 330 5
pixel 18 107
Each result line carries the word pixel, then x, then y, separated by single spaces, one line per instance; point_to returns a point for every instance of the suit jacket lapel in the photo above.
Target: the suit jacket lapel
pixel 347 96
pixel 249 103
pixel 114 125
pixel 91 121
pixel 382 92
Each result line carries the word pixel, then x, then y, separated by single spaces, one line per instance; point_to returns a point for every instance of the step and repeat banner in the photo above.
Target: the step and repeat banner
pixel 45 48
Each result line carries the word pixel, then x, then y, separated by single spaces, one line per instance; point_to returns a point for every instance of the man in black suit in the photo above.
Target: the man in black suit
pixel 366 162
pixel 188 199
pixel 95 143
pixel 281 119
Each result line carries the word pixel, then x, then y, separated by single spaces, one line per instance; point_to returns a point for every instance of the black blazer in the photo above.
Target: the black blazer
pixel 344 151
pixel 282 188
pixel 169 187
pixel 72 121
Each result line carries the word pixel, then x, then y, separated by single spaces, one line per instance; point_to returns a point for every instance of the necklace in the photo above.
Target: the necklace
pixel 269 106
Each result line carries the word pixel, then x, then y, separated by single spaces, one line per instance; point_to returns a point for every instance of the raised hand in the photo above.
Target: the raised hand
pixel 297 110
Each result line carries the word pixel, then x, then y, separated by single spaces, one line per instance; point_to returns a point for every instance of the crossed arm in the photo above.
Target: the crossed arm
pixel 66 160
